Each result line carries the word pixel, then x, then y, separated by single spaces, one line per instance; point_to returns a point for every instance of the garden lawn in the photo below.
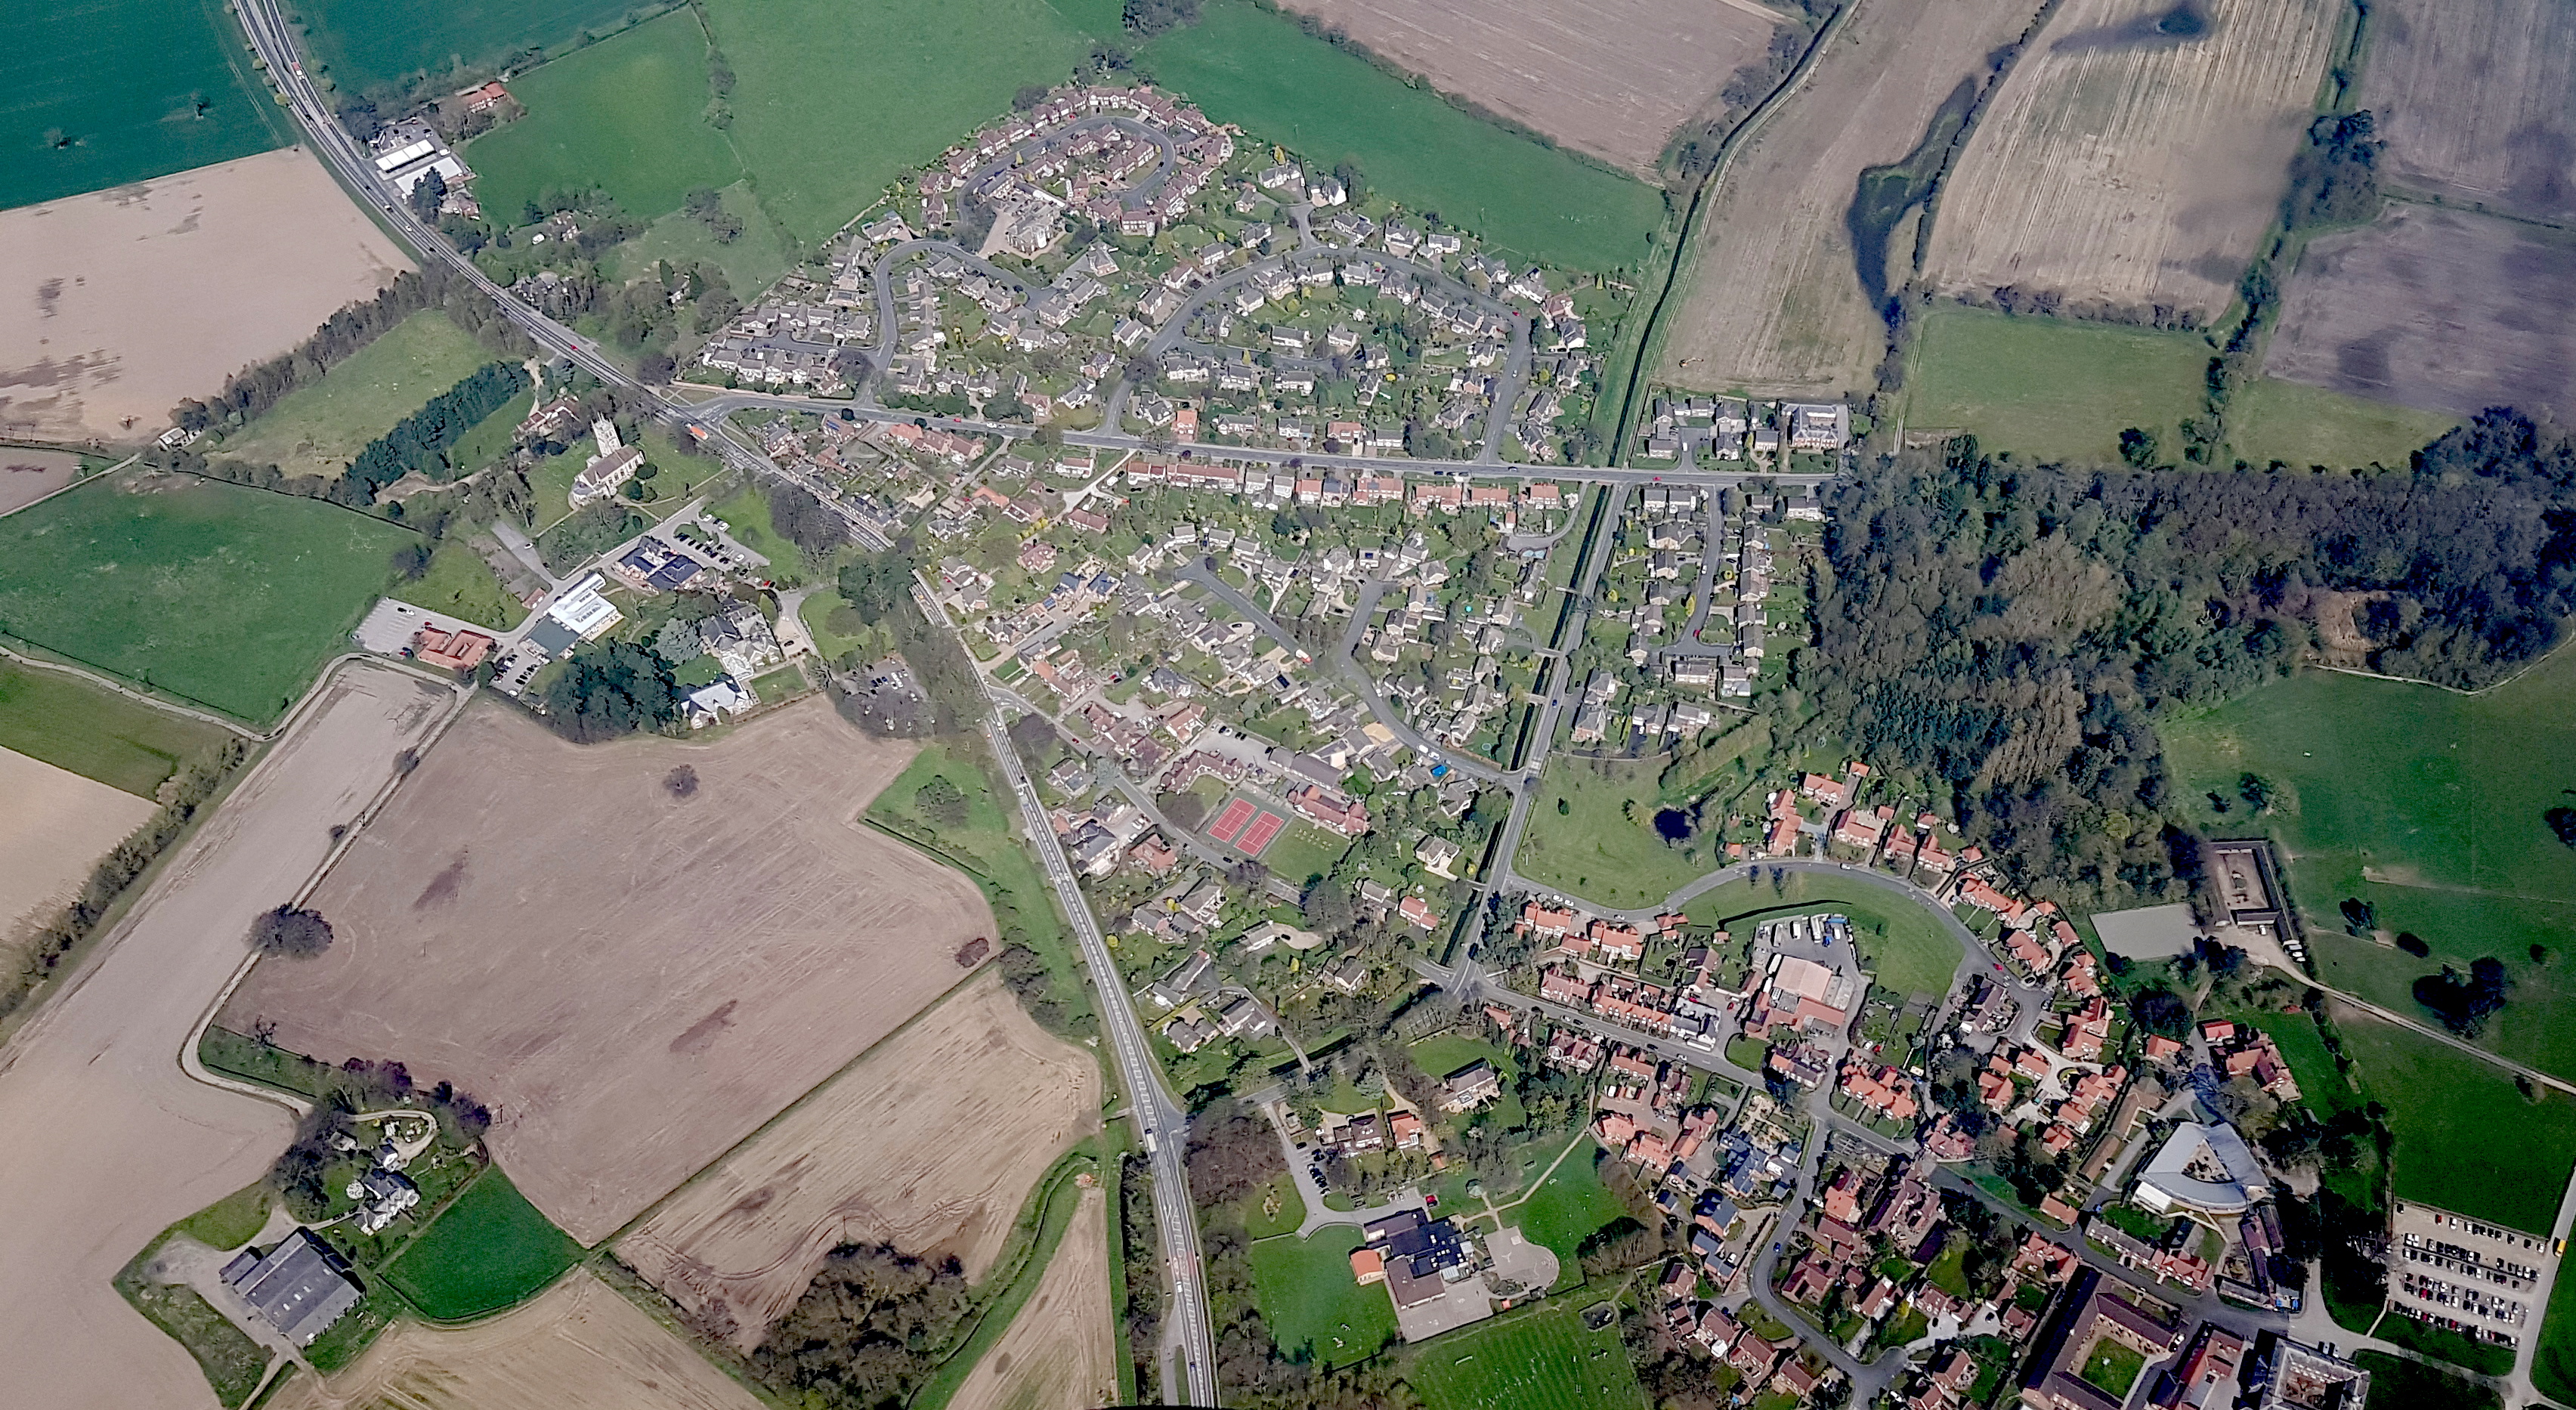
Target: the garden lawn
pixel 1291 1213
pixel 460 584
pixel 319 429
pixel 94 732
pixel 1570 1206
pixel 1906 946
pixel 1545 1360
pixel 2303 426
pixel 231 597
pixel 489 1249
pixel 625 115
pixel 2399 1384
pixel 836 101
pixel 107 92
pixel 2446 1110
pixel 1593 849
pixel 2052 390
pixel 1311 1303
pixel 369 42
pixel 1251 66
pixel 1445 1053
pixel 2424 803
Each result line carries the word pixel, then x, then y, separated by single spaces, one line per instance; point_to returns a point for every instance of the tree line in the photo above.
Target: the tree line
pixel 419 441
pixel 2012 630
pixel 253 390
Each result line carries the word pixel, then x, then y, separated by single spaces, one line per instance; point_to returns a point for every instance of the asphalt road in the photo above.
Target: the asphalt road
pixel 1159 1119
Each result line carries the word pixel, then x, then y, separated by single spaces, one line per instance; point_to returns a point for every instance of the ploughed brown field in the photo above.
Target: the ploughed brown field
pixel 931 1142
pixel 1775 304
pixel 118 305
pixel 1612 78
pixel 54 829
pixel 2435 309
pixel 1059 1353
pixel 579 1346
pixel 2476 100
pixel 634 980
pixel 2122 169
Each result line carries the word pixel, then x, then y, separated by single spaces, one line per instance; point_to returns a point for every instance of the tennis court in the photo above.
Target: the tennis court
pixel 1261 834
pixel 1231 821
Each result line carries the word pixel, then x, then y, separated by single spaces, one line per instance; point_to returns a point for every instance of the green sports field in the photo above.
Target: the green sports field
pixel 2048 389
pixel 365 43
pixel 106 92
pixel 625 114
pixel 319 429
pixel 95 732
pixel 1253 67
pixel 228 596
pixel 2426 804
pixel 489 1249
pixel 1311 1302
pixel 2303 426
pixel 1545 1359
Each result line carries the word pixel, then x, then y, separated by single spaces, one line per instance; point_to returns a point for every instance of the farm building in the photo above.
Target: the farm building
pixel 301 1287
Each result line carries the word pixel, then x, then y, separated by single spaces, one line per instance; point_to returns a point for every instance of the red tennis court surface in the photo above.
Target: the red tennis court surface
pixel 1231 821
pixel 1261 834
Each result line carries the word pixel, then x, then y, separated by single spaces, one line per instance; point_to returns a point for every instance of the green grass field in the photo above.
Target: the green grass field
pixel 1545 1360
pixel 94 732
pixel 2303 426
pixel 1905 946
pixel 493 436
pixel 2424 803
pixel 489 1249
pixel 107 92
pixel 1568 1207
pixel 752 262
pixel 1304 852
pixel 369 42
pixel 625 114
pixel 1594 849
pixel 460 584
pixel 2484 1357
pixel 836 100
pixel 2553 1361
pixel 2399 1384
pixel 319 429
pixel 231 597
pixel 2447 1110
pixel 229 1222
pixel 1313 1307
pixel 2048 389
pixel 1249 66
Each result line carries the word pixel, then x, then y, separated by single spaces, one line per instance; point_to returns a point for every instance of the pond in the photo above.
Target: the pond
pixel 1672 825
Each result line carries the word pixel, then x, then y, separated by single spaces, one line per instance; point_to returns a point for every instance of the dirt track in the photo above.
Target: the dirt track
pixel 1775 304
pixel 122 303
pixel 580 1346
pixel 55 827
pixel 634 981
pixel 1612 78
pixel 932 1142
pixel 110 1142
pixel 1058 1353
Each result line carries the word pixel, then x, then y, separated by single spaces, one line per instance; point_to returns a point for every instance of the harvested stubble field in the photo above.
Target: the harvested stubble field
pixel 57 825
pixel 2477 101
pixel 632 979
pixel 131 1143
pixel 1775 303
pixel 578 1347
pixel 931 1142
pixel 2435 309
pixel 124 303
pixel 2119 167
pixel 1059 1353
pixel 1612 78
